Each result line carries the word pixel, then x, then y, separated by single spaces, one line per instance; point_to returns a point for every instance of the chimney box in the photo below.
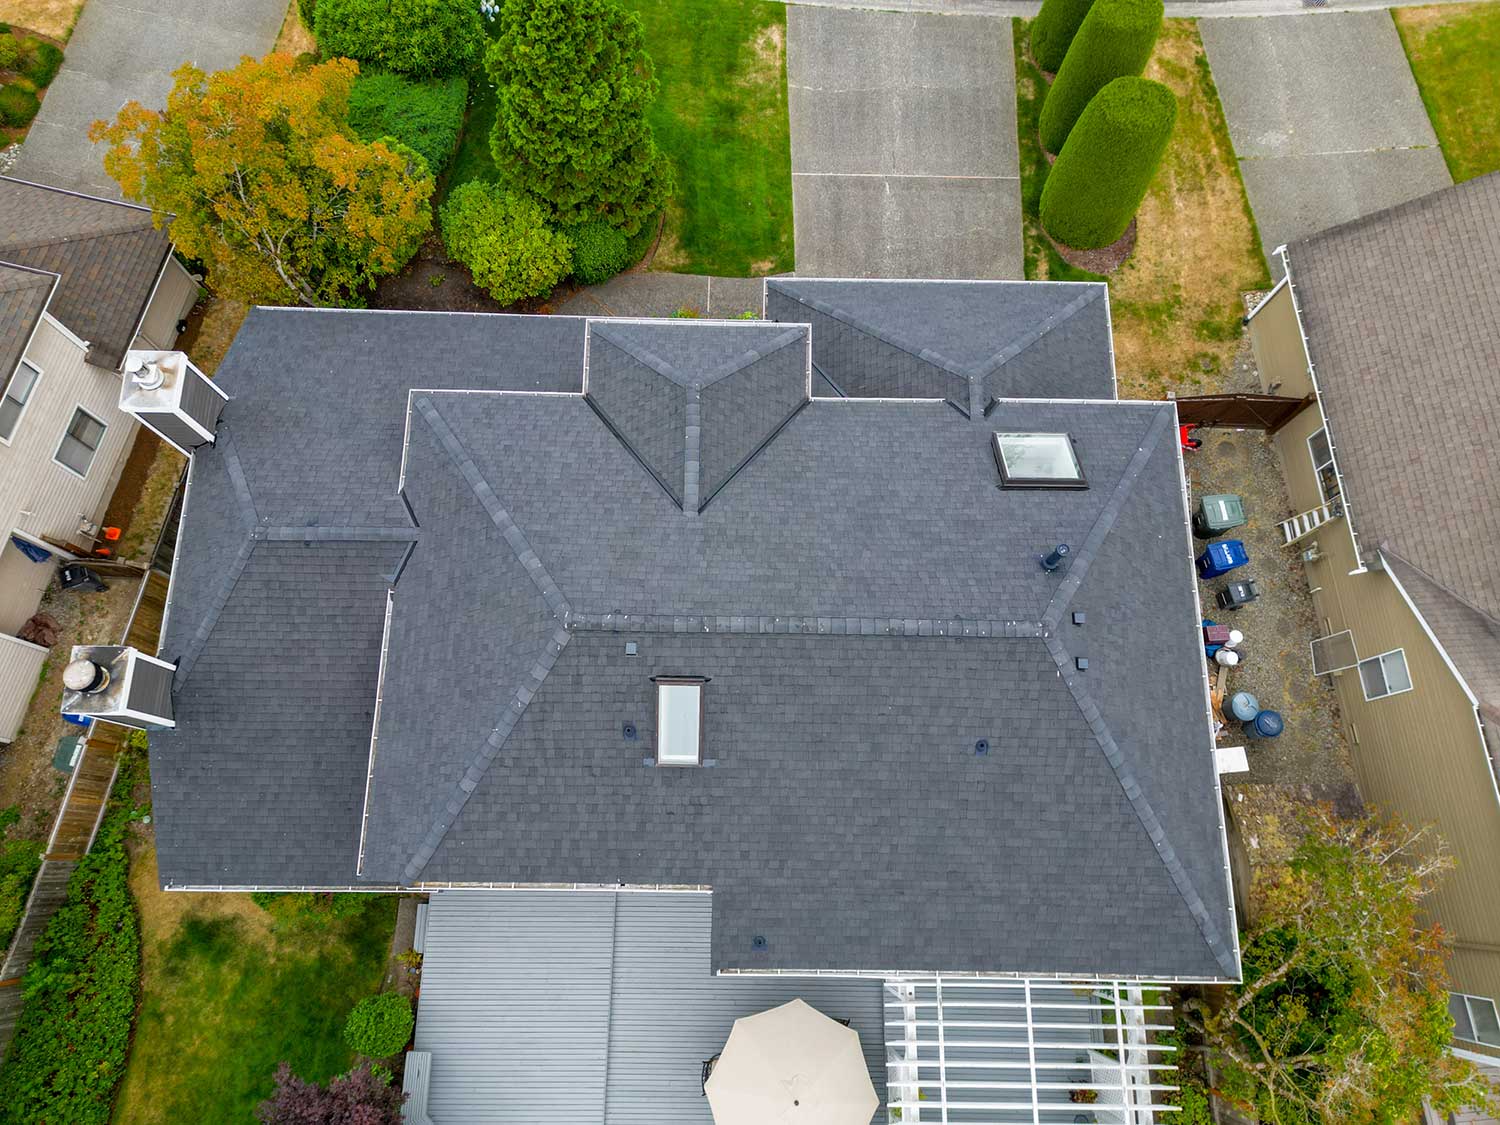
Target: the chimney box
pixel 172 398
pixel 116 684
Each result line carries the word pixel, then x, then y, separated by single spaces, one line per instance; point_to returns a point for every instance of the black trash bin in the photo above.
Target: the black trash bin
pixel 76 576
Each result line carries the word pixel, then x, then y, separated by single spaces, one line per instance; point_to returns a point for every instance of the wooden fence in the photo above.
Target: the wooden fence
pixel 1243 412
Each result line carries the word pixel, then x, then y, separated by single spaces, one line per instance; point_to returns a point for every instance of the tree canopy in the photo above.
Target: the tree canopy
pixel 574 83
pixel 270 186
pixel 1342 1018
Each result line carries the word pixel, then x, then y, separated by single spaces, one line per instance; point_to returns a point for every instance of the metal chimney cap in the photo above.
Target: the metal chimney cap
pixel 84 676
pixel 150 377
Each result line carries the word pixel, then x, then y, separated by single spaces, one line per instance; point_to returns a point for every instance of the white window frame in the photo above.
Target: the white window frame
pixel 104 429
pixel 675 685
pixel 1380 657
pixel 30 394
pixel 1470 1002
pixel 1331 463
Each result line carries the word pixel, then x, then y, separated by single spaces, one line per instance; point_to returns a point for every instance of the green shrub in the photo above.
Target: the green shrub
pixel 1114 41
pixel 40 61
pixel 420 38
pixel 424 115
pixel 10 51
pixel 80 990
pixel 380 1025
pixel 504 240
pixel 17 106
pixel 599 252
pixel 1053 30
pixel 307 12
pixel 19 862
pixel 1103 171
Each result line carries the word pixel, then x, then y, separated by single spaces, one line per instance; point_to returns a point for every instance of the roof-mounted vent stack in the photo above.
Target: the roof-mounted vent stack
pixel 695 400
pixel 119 685
pixel 172 398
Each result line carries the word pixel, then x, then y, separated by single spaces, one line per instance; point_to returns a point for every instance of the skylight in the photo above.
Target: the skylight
pixel 679 722
pixel 1038 461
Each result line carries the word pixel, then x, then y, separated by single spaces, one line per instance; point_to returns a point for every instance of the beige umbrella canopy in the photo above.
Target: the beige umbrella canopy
pixel 791 1064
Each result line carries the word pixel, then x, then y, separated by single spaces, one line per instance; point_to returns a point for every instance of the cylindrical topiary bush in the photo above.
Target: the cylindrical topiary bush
pixel 599 252
pixel 1054 28
pixel 379 1026
pixel 1102 173
pixel 1114 41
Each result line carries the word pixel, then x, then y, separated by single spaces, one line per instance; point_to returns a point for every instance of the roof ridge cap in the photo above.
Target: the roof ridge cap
pixel 39 243
pixel 926 355
pixel 753 355
pixel 1032 335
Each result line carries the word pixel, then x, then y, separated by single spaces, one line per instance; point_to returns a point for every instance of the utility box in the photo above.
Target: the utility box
pixel 1221 557
pixel 1218 514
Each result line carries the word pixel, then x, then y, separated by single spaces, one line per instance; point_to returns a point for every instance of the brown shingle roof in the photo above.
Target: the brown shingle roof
pixel 23 299
pixel 1402 314
pixel 108 255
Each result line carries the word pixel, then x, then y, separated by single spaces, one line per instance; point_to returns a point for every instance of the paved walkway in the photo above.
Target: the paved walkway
pixel 903 144
pixel 127 49
pixel 1325 118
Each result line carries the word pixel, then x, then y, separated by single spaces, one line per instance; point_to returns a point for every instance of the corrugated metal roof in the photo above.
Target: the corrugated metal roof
pixel 572 1007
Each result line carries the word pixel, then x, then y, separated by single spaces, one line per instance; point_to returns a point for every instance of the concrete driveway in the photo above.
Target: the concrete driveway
pixel 903 144
pixel 127 49
pixel 1325 118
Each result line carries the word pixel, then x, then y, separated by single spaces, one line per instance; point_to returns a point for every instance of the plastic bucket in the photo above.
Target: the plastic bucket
pixel 1244 706
pixel 1267 724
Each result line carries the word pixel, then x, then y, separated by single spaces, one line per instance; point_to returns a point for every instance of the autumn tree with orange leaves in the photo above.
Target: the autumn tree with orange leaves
pixel 270 187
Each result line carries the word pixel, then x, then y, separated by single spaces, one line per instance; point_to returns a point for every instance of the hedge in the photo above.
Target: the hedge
pixel 19 862
pixel 599 252
pixel 17 106
pixel 1114 41
pixel 424 115
pixel 379 1026
pixel 81 987
pixel 504 240
pixel 1054 28
pixel 1103 171
pixel 419 38
pixel 40 61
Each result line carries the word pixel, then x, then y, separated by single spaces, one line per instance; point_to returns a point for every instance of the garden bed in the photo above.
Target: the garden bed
pixel 29 61
pixel 1454 51
pixel 1176 302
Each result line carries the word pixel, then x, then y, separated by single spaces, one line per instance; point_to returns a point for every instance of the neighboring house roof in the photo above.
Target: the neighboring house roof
pixel 1402 315
pixel 593 1007
pixel 865 600
pixel 23 299
pixel 108 254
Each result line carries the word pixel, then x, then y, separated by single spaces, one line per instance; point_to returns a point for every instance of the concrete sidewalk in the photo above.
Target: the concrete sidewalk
pixel 1325 118
pixel 642 293
pixel 903 144
pixel 124 50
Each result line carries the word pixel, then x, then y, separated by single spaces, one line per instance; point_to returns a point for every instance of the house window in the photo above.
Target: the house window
pixel 679 721
pixel 1385 674
pixel 80 443
pixel 1322 459
pixel 1474 1019
pixel 17 391
pixel 1038 461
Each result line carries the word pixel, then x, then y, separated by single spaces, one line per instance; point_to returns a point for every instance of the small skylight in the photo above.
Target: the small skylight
pixel 1038 461
pixel 679 722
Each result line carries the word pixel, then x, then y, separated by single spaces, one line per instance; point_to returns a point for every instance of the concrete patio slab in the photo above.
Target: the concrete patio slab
pixel 124 50
pixel 903 144
pixel 1325 118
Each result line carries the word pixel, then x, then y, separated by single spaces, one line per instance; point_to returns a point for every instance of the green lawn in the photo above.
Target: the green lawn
pixel 721 118
pixel 1455 55
pixel 230 990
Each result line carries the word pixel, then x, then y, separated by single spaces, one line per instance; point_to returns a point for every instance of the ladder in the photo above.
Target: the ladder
pixel 1301 526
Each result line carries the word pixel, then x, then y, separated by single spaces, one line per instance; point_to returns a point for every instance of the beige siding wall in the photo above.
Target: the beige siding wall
pixel 1476 970
pixel 1418 754
pixel 38 495
pixel 21 584
pixel 20 668
pixel 1277 343
pixel 175 295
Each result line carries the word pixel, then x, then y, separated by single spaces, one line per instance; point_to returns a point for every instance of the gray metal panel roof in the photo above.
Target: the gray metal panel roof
pixel 578 1007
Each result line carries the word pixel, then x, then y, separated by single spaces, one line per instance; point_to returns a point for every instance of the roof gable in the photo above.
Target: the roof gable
pixel 23 299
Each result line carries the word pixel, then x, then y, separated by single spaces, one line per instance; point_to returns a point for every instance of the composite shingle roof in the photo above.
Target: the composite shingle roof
pixel 23 298
pixel 894 711
pixel 108 254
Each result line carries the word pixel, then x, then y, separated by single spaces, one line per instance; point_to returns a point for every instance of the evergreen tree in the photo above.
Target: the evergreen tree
pixel 574 83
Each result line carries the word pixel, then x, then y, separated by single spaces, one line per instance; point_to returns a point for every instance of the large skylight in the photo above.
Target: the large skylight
pixel 1038 461
pixel 679 722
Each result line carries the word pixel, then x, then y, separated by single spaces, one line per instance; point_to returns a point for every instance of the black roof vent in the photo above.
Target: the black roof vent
pixel 982 746
pixel 628 730
pixel 758 942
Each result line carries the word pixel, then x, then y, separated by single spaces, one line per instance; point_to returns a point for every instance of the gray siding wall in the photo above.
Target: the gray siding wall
pixel 202 403
pixel 151 689
pixel 578 1007
pixel 173 428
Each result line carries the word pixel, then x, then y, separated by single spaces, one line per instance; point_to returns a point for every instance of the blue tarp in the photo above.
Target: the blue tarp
pixel 31 550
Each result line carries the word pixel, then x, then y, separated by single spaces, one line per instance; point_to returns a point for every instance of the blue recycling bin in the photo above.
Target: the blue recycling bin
pixel 1267 724
pixel 1221 557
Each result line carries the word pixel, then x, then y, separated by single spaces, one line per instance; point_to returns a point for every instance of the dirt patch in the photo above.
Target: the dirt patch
pixel 434 282
pixel 668 255
pixel 52 19
pixel 295 38
pixel 162 912
pixel 768 48
pixel 211 327
pixel 1104 260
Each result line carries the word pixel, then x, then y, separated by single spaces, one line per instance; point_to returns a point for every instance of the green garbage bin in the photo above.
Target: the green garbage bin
pixel 1218 514
pixel 66 756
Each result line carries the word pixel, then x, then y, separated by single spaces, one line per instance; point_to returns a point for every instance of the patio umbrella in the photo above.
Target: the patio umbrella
pixel 791 1064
